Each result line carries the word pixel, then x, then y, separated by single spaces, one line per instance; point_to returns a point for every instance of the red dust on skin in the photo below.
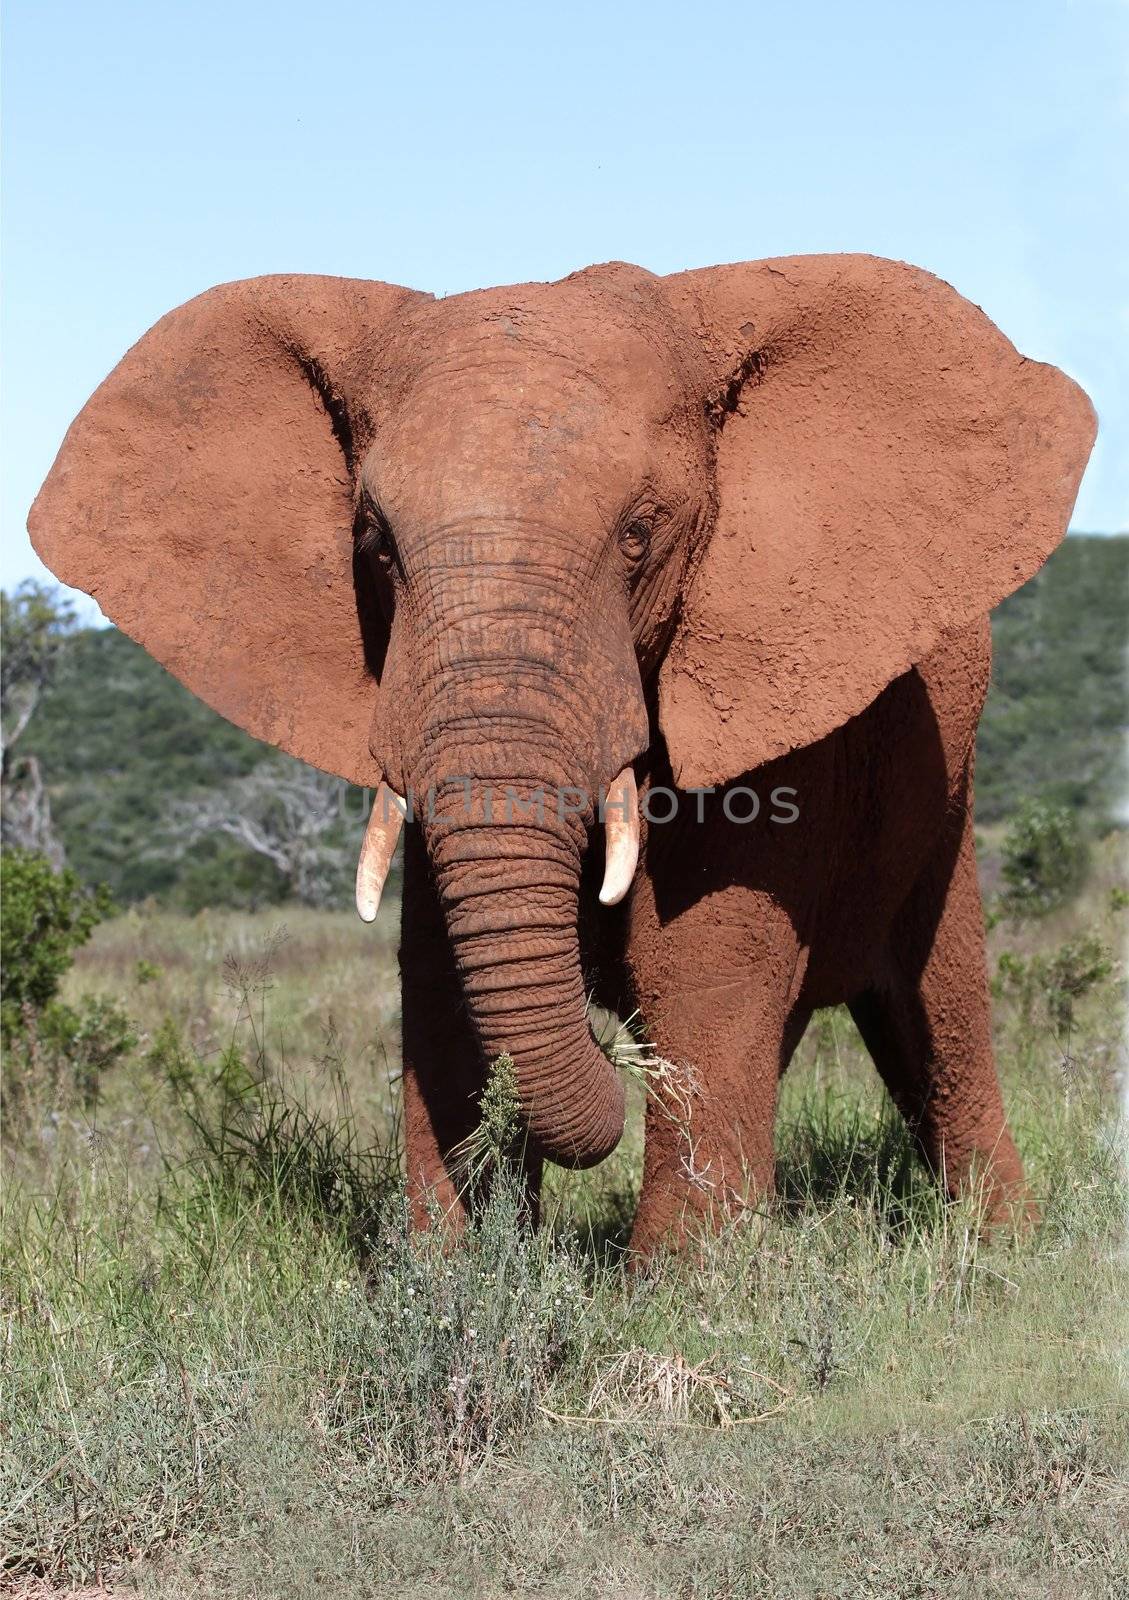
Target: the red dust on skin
pixel 747 520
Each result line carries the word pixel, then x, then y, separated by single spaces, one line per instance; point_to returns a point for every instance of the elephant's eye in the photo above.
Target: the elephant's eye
pixel 635 540
pixel 375 534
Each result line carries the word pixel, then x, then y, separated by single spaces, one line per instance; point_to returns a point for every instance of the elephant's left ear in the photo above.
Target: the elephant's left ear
pixel 889 468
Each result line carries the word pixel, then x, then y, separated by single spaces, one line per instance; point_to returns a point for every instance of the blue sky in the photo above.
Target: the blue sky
pixel 153 149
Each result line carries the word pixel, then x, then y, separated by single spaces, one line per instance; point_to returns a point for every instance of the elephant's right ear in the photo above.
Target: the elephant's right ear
pixel 204 496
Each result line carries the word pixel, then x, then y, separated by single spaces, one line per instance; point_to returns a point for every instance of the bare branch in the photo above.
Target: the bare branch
pixel 281 810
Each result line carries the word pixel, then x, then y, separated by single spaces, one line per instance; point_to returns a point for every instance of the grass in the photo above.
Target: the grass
pixel 229 1370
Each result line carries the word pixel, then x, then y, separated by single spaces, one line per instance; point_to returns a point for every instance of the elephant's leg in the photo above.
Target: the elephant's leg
pixel 716 990
pixel 443 1065
pixel 927 1025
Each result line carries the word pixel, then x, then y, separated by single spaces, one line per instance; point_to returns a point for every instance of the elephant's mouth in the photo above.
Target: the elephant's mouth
pixel 620 815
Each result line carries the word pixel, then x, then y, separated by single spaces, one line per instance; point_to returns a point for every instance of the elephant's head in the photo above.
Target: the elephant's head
pixel 412 540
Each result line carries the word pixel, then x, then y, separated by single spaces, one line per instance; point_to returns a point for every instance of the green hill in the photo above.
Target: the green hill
pixel 117 737
pixel 1058 710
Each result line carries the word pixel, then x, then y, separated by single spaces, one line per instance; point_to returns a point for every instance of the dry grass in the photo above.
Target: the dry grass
pixel 636 1386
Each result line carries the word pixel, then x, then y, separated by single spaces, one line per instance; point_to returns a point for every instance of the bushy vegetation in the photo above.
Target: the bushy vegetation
pixel 47 917
pixel 54 1053
pixel 1044 859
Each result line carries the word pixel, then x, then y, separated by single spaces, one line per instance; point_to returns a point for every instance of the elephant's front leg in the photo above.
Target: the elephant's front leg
pixel 716 987
pixel 444 1069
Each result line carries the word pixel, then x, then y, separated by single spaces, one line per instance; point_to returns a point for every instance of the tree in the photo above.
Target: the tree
pixel 289 813
pixel 34 621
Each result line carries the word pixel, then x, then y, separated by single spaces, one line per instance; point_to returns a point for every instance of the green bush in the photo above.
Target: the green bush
pixel 53 1051
pixel 1047 987
pixel 1045 859
pixel 64 1050
pixel 47 916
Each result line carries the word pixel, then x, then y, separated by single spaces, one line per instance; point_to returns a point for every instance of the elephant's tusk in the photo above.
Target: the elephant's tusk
pixel 381 834
pixel 621 838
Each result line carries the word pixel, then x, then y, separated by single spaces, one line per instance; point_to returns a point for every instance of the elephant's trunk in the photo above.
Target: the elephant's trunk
pixel 510 890
pixel 514 672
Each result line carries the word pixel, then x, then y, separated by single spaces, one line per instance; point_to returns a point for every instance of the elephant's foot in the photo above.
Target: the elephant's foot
pixel 1000 1194
pixel 709 1159
pixel 682 1219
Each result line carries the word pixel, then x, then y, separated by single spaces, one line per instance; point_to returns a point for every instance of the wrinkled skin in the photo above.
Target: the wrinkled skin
pixel 735 526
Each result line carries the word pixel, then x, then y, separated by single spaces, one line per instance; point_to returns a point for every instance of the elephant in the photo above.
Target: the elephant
pixel 727 537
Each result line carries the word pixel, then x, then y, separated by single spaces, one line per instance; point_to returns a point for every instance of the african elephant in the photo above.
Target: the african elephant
pixel 734 529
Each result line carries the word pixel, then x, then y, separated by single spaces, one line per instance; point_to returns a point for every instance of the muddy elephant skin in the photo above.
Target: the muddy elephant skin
pixel 734 528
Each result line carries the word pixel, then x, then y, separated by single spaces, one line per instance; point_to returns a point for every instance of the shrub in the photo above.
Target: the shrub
pixel 60 1053
pixel 1045 858
pixel 1071 973
pixel 47 916
pixel 456 1348
pixel 1047 987
pixel 53 1051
